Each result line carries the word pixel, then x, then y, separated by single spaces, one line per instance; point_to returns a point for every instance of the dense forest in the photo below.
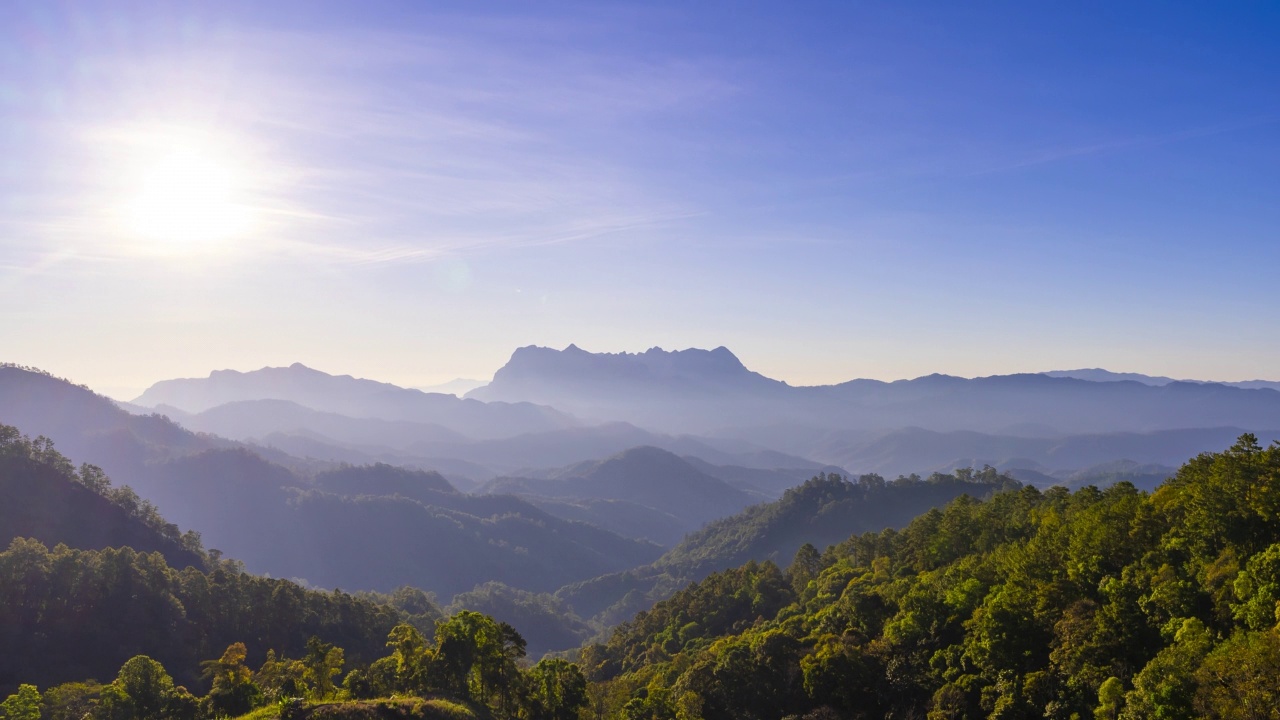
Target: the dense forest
pixel 1099 603
pixel 1007 602
pixel 70 617
pixel 824 510
pixel 43 496
pixel 468 667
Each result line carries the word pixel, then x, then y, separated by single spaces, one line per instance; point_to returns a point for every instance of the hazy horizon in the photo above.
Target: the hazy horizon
pixel 127 393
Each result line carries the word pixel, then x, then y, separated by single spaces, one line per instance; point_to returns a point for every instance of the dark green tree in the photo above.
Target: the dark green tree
pixel 22 705
pixel 557 690
pixel 323 663
pixel 233 691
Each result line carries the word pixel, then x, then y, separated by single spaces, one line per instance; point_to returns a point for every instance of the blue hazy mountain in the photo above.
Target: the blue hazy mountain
pixel 375 527
pixel 1100 375
pixel 915 450
pixel 655 480
pixel 680 391
pixel 352 397
pixel 467 462
pixel 252 419
pixel 711 391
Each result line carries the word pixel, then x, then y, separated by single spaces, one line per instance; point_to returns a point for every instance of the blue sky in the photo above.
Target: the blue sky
pixel 832 190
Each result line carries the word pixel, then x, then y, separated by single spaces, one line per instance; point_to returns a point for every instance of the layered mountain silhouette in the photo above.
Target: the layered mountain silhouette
pixel 916 450
pixel 1100 375
pixel 660 483
pixel 352 397
pixel 252 419
pixel 371 528
pixel 596 454
pixel 707 406
pixel 470 462
pixel 308 413
pixel 710 391
pixel 374 533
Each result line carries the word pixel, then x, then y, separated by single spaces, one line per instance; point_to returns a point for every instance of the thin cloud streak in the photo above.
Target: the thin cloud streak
pixel 1101 148
pixel 479 147
pixel 392 253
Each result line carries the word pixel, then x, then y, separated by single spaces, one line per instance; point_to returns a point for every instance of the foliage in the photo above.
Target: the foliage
pixel 383 479
pixel 557 689
pixel 71 701
pixel 22 705
pixel 544 621
pixel 143 690
pixel 1098 603
pixel 232 690
pixel 472 669
pixel 824 510
pixel 71 614
pixel 43 495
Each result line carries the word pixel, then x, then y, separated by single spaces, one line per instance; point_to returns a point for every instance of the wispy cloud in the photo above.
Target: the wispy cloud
pixel 1129 143
pixel 383 147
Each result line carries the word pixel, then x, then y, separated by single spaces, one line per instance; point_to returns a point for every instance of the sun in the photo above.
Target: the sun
pixel 186 195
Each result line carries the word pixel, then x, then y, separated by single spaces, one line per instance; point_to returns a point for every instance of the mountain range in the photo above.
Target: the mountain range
pixel 705 404
pixel 317 527
pixel 916 450
pixel 710 392
pixel 581 465
pixel 353 397
pixel 1100 375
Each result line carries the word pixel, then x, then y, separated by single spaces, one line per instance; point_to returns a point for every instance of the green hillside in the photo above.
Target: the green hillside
pixel 825 510
pixel 42 496
pixel 1030 604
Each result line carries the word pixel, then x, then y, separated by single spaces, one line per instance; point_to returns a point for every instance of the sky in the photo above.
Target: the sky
pixel 408 191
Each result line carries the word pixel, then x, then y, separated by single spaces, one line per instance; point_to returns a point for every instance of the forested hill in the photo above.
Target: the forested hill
pixel 70 618
pixel 42 496
pixel 115 585
pixel 1106 604
pixel 825 510
pixel 68 615
pixel 355 398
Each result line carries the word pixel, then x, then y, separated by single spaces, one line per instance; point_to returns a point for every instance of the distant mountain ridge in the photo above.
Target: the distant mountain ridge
pixel 251 419
pixel 482 460
pixel 353 397
pixel 599 385
pixel 711 391
pixel 1101 375
pixel 918 450
pixel 694 367
pixel 456 386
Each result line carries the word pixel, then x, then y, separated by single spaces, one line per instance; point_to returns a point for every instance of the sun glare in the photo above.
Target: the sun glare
pixel 186 195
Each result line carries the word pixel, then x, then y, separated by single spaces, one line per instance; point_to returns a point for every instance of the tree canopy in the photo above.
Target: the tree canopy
pixel 1106 603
